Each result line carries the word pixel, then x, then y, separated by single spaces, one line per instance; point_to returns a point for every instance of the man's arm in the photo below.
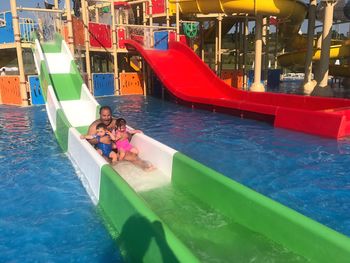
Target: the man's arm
pixel 92 131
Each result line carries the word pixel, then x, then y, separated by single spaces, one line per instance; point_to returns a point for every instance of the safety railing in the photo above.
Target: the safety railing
pixel 144 35
pixel 27 27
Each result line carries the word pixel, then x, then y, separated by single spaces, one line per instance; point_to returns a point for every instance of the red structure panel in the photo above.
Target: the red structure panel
pixel 172 36
pixel 78 31
pixel 158 7
pixel 100 35
pixel 121 37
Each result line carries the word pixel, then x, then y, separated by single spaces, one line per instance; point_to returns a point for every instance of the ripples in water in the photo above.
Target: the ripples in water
pixel 307 173
pixel 45 213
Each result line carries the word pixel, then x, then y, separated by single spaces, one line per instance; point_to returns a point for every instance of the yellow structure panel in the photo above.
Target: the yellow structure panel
pixel 9 90
pixel 131 83
pixel 233 78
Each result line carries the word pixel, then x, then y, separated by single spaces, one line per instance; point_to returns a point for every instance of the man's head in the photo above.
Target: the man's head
pixel 106 115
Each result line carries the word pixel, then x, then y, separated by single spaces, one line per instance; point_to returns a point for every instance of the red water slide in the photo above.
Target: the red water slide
pixel 193 83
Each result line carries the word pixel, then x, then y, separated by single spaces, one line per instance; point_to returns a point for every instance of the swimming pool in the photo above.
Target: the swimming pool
pixel 307 173
pixel 45 213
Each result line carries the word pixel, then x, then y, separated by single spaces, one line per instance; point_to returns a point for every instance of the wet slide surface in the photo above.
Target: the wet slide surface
pixel 193 83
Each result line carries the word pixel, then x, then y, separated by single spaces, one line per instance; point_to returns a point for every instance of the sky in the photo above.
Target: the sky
pixel 5 5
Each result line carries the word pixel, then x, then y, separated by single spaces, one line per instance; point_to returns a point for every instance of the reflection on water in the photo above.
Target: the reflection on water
pixel 295 87
pixel 45 213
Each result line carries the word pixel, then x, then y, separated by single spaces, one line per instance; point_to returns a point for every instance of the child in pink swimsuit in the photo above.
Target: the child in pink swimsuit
pixel 122 139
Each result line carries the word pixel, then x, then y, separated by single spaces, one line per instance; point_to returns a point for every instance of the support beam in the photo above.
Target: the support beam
pixel 85 16
pixel 70 27
pixel 115 55
pixel 219 54
pixel 257 85
pixel 177 21
pixel 245 52
pixel 308 85
pixel 22 78
pixel 322 88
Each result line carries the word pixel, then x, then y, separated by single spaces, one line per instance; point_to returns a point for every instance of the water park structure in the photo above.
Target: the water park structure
pixel 149 50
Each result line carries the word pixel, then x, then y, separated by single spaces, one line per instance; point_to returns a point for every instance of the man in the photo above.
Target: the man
pixel 111 123
pixel 105 118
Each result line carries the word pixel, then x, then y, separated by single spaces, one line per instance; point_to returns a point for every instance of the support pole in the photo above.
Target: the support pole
pixel 22 78
pixel 144 77
pixel 236 46
pixel 150 15
pixel 308 85
pixel 177 21
pixel 87 43
pixel 97 14
pixel 216 47
pixel 70 27
pixel 57 20
pixel 167 15
pixel 322 88
pixel 219 44
pixel 144 21
pixel 115 55
pixel 245 51
pixel 202 42
pixel 257 85
pixel 276 48
pixel 138 19
pixel 266 33
pixel 241 32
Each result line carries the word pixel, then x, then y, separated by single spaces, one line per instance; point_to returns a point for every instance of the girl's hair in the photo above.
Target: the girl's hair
pixel 121 122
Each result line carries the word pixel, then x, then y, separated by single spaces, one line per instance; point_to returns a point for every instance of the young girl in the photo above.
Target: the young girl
pixel 122 139
pixel 104 142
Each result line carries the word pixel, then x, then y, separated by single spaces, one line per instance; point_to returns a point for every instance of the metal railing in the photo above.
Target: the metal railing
pixel 144 34
pixel 27 28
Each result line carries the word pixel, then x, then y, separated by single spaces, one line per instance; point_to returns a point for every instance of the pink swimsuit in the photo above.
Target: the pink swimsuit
pixel 124 145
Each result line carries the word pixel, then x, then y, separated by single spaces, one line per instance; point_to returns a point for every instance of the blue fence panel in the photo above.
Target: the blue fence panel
pixel 35 90
pixel 103 84
pixel 6 30
pixel 251 77
pixel 161 40
pixel 27 30
pixel 273 78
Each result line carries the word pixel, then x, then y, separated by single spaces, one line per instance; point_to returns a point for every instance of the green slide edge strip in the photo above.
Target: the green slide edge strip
pixel 44 78
pixel 62 129
pixel 259 213
pixel 53 47
pixel 143 236
pixel 67 86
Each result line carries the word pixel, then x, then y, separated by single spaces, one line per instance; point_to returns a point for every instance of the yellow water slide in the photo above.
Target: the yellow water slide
pixel 297 58
pixel 291 11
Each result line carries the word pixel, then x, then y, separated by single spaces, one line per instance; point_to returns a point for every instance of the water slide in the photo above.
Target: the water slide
pixel 162 216
pixel 191 82
pixel 297 58
pixel 339 49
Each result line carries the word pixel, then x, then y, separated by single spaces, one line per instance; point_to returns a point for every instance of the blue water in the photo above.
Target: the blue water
pixel 45 213
pixel 307 173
